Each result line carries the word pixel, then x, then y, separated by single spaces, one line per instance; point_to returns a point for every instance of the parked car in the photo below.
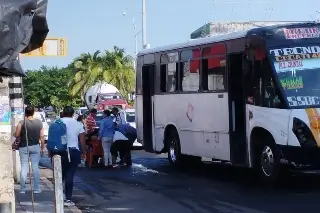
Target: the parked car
pixel 81 110
pixel 130 116
pixel 42 117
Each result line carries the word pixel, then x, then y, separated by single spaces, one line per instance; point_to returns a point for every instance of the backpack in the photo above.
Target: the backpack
pixel 57 138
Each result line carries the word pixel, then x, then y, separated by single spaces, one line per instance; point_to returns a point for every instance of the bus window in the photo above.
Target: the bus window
pixel 190 70
pixel 168 72
pixel 213 73
pixel 214 68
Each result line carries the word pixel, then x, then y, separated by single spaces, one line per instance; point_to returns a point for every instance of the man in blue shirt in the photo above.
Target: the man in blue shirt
pixel 129 131
pixel 106 133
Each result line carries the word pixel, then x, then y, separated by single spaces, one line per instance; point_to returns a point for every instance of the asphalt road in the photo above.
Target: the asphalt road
pixel 153 186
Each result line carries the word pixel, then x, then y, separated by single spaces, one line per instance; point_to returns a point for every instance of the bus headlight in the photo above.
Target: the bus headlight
pixel 303 133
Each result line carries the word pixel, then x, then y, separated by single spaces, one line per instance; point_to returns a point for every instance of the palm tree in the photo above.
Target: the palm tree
pixel 119 70
pixel 88 69
pixel 113 67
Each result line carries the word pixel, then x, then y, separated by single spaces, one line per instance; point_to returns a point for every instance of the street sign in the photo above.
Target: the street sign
pixel 50 47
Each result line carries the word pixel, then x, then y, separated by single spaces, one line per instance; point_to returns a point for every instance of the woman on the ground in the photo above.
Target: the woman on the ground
pixel 106 133
pixel 30 132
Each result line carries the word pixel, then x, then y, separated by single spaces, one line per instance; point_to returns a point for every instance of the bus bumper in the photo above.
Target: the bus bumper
pixel 299 158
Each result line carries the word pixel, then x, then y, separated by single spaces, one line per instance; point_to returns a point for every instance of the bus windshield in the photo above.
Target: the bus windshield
pixel 298 70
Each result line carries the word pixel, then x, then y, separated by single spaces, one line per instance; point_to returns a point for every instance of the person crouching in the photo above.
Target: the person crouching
pixel 124 145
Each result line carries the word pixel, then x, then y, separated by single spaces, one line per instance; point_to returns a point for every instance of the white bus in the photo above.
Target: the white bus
pixel 248 98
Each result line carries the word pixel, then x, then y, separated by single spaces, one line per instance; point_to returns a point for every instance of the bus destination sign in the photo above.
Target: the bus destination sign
pixel 300 33
pixel 296 53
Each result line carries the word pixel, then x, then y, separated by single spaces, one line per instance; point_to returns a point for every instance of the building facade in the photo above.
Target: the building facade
pixel 218 28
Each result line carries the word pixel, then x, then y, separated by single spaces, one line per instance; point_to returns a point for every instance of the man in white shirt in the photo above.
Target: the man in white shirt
pixel 119 116
pixel 75 136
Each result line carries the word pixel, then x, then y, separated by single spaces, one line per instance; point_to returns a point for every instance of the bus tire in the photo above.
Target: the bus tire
pixel 267 161
pixel 176 158
pixel 174 148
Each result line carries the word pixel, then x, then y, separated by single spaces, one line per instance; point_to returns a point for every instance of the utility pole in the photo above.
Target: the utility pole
pixel 17 113
pixel 144 25
pixel 7 199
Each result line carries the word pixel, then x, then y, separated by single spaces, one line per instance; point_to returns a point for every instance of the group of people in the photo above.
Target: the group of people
pixel 72 135
pixel 116 136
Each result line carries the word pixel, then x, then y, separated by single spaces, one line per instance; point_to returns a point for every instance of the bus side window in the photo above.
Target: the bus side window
pixel 213 74
pixel 163 78
pixel 168 72
pixel 270 96
pixel 190 70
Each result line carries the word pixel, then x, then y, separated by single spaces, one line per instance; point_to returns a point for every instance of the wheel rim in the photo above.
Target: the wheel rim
pixel 173 151
pixel 267 161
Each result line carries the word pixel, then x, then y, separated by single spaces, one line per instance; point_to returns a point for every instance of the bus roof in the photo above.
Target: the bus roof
pixel 218 38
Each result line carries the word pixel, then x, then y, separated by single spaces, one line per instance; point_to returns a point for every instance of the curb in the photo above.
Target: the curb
pixel 45 180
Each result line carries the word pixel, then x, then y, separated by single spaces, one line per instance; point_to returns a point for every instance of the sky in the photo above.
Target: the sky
pixel 100 24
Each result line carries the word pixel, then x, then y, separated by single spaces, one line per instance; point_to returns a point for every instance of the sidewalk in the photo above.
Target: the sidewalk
pixel 44 202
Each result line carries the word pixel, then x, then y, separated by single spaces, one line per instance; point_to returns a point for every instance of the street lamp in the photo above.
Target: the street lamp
pixel 143 14
pixel 135 38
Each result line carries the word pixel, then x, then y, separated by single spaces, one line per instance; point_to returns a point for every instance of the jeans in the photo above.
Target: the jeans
pixel 34 153
pixel 70 169
pixel 106 144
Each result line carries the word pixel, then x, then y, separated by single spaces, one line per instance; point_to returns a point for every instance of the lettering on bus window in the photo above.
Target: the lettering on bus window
pixel 168 72
pixel 295 101
pixel 190 70
pixel 292 82
pixel 296 53
pixel 299 33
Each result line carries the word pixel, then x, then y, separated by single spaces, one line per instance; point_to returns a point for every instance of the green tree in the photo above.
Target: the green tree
pixel 113 67
pixel 88 70
pixel 49 87
pixel 119 69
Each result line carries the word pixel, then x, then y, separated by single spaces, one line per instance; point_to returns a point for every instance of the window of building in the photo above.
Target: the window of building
pixel 168 72
pixel 190 70
pixel 214 68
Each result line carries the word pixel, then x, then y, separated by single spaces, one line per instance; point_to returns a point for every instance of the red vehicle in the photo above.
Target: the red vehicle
pixel 109 104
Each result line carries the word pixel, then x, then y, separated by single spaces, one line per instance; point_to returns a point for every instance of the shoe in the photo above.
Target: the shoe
pixel 69 203
pixel 37 191
pixel 22 191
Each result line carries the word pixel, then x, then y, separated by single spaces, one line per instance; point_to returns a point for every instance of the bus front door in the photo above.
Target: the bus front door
pixel 237 124
pixel 147 93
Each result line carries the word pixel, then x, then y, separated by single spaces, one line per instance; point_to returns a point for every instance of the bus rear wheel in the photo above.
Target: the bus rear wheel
pixel 174 148
pixel 176 158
